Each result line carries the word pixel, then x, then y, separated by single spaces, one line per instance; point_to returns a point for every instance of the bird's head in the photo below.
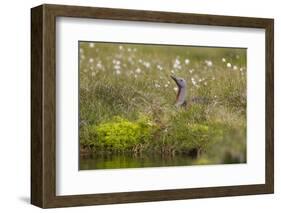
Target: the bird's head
pixel 181 83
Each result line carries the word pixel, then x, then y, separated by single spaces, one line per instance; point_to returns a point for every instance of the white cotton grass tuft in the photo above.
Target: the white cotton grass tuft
pixel 175 89
pixel 91 60
pixel 223 60
pixel 91 45
pixel 228 65
pixel 177 64
pixel 146 64
pixel 159 67
pixel 177 61
pixel 187 61
pixel 235 67
pixel 116 61
pixel 118 72
pixel 117 67
pixel 193 81
pixel 157 85
pixel 99 65
pixel 209 63
pixel 138 70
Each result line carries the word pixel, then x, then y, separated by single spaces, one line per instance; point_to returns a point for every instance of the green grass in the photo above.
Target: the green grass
pixel 127 101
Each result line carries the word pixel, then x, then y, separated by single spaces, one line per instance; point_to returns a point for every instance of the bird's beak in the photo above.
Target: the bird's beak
pixel 176 80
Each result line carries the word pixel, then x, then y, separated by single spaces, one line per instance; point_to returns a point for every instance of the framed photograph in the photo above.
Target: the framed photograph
pixel 136 106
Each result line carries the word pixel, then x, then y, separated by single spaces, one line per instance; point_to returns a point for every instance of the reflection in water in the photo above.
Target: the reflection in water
pixel 116 161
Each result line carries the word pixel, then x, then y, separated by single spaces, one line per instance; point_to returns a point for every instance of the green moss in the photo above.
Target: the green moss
pixel 121 134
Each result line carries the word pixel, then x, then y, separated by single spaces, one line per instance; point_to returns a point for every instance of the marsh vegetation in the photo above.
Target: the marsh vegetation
pixel 127 113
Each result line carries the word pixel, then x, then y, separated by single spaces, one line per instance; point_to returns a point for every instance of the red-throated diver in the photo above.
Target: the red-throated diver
pixel 181 83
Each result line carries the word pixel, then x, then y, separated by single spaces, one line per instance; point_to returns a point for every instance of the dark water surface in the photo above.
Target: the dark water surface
pixel 116 161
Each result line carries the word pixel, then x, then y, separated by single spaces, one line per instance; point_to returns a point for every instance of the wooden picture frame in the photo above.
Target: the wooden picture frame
pixel 43 105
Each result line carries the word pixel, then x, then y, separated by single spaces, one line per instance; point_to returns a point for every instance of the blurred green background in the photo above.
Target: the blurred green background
pixel 127 114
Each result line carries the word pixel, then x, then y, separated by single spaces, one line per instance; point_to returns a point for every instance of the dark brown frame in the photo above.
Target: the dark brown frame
pixel 43 105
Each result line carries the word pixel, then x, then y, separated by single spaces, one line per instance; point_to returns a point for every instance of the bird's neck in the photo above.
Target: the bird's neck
pixel 181 96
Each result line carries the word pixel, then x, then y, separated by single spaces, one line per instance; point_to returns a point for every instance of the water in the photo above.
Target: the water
pixel 116 161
